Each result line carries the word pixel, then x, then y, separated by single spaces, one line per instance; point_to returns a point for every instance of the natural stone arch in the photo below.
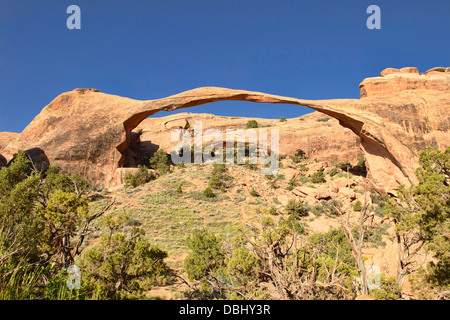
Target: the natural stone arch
pixel 400 113
pixel 339 109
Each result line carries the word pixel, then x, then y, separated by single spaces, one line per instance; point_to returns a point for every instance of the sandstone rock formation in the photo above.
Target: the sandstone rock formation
pixel 6 138
pixel 398 114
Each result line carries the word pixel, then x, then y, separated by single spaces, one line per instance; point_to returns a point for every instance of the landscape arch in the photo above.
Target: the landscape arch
pixel 349 116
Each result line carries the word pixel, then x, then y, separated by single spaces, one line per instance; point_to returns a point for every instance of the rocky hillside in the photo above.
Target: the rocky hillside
pixel 172 206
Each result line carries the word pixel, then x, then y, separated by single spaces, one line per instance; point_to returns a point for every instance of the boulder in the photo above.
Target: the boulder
pixel 3 161
pixel 347 193
pixel 38 159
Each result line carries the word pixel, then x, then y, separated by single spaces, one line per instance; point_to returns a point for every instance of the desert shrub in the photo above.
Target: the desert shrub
pixel 122 267
pixel 389 290
pixel 142 176
pixel 325 119
pixel 214 182
pixel 283 119
pixel 421 216
pixel 317 177
pixel 209 193
pixel 357 206
pixel 206 255
pixel 253 193
pixel 299 156
pixel 332 172
pixel 237 269
pixel 251 124
pixel 344 166
pixel 296 209
pixel 160 161
pixel 361 161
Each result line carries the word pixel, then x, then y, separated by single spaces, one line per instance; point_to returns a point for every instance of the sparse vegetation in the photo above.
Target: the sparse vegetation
pixel 245 248
pixel 299 156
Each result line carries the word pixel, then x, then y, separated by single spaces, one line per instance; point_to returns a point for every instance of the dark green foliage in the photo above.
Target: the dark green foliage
pixel 296 209
pixel 251 124
pixel 422 216
pixel 361 161
pixel 299 156
pixel 122 267
pixel 357 206
pixel 142 176
pixel 218 178
pixel 317 177
pixel 389 290
pixel 253 193
pixel 283 119
pixel 344 166
pixel 39 219
pixel 160 161
pixel 215 181
pixel 238 270
pixel 209 193
pixel 206 255
pixel 19 228
pixel 332 172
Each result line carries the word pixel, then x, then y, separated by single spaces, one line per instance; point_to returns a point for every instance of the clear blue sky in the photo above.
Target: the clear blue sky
pixel 150 49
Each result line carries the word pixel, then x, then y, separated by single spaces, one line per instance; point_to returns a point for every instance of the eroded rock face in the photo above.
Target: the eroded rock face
pixel 398 114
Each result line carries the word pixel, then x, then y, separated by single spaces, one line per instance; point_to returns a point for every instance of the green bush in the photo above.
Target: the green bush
pixel 361 161
pixel 251 124
pixel 332 172
pixel 357 206
pixel 160 161
pixel 344 166
pixel 209 193
pixel 296 209
pixel 205 257
pixel 253 193
pixel 122 267
pixel 283 119
pixel 299 156
pixel 317 177
pixel 214 182
pixel 389 290
pixel 142 176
